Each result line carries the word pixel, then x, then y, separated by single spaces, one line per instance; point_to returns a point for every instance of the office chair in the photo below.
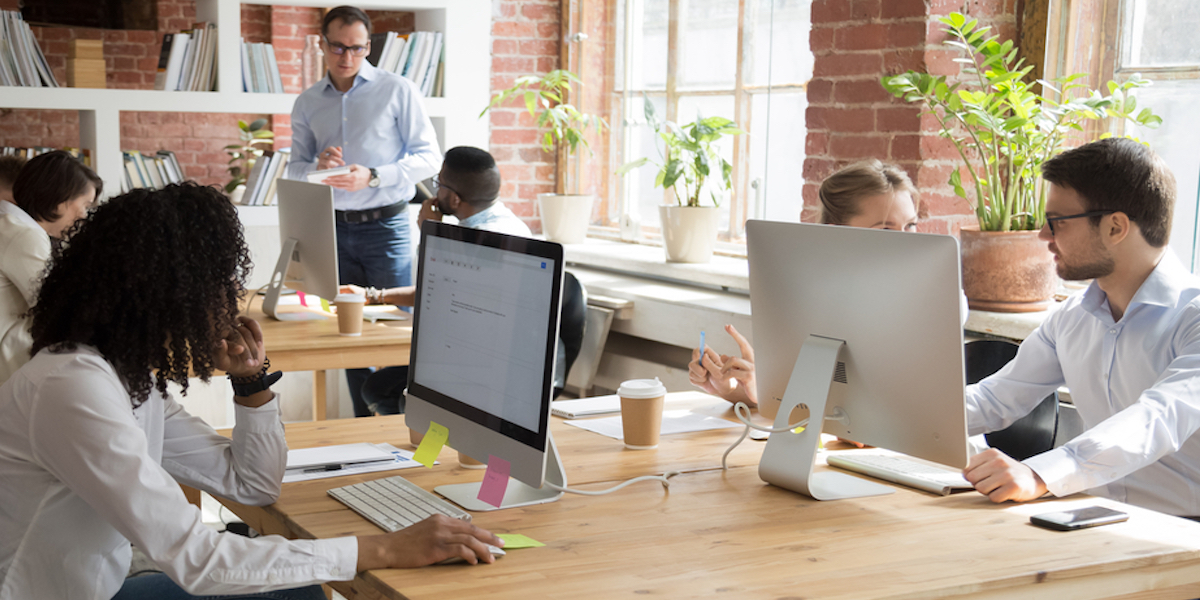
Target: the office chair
pixel 570 327
pixel 1030 435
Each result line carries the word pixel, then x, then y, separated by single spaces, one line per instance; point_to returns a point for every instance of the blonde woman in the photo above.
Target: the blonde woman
pixel 870 194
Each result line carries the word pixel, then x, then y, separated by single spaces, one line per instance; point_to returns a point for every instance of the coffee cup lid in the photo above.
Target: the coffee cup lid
pixel 642 388
pixel 349 298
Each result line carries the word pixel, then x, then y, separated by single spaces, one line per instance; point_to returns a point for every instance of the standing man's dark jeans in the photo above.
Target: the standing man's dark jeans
pixel 378 254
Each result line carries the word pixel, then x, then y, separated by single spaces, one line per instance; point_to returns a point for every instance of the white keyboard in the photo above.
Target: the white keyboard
pixel 394 503
pixel 903 470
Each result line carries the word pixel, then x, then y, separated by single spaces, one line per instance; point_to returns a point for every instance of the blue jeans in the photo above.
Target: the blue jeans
pixel 158 586
pixel 377 254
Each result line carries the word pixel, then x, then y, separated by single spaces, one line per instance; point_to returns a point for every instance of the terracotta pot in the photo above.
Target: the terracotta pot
pixel 1006 271
pixel 689 232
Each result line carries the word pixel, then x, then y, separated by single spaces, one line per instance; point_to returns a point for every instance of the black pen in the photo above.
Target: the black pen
pixel 324 468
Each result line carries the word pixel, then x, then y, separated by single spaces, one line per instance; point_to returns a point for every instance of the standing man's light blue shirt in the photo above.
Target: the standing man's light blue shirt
pixel 1135 383
pixel 379 123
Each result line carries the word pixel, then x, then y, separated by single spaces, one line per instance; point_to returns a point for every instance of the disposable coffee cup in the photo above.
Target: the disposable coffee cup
pixel 641 412
pixel 349 313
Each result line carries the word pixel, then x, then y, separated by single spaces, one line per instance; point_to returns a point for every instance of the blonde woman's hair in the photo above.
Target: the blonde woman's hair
pixel 841 192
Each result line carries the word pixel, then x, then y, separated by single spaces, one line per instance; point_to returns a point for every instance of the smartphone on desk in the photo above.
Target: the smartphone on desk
pixel 1080 518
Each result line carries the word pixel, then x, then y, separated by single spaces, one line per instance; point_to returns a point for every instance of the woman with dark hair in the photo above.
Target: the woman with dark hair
pixel 50 193
pixel 91 445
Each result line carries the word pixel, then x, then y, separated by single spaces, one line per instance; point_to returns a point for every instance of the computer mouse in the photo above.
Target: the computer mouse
pixel 496 551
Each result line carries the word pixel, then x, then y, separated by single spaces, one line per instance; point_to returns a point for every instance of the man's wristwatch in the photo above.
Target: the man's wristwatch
pixel 374 180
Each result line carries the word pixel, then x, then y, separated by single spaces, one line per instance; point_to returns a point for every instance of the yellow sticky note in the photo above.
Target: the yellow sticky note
pixel 325 305
pixel 431 444
pixel 513 541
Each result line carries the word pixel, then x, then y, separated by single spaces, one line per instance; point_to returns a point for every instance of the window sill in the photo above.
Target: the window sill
pixel 724 272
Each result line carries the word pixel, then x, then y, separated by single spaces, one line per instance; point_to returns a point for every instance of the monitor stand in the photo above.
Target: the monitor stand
pixel 517 494
pixel 789 459
pixel 271 300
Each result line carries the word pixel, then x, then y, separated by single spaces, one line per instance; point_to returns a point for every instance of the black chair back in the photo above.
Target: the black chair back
pixel 1028 436
pixel 571 326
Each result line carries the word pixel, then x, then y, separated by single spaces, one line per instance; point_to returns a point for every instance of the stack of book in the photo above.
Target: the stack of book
pixel 150 171
pixel 261 182
pixel 260 71
pixel 84 156
pixel 21 60
pixel 417 56
pixel 187 61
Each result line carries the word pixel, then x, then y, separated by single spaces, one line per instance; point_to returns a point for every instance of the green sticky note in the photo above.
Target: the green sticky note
pixel 514 541
pixel 325 305
pixel 431 444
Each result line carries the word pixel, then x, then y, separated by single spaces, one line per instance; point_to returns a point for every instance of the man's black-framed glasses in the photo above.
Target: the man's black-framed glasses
pixel 1091 213
pixel 340 49
pixel 437 183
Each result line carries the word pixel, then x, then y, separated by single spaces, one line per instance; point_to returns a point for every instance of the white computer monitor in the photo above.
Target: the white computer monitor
pixel 308 259
pixel 485 326
pixel 861 325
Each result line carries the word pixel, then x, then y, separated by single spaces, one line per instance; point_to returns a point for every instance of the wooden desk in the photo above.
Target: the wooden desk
pixel 317 345
pixel 728 534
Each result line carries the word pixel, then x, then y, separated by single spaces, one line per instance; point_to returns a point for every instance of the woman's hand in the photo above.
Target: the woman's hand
pixel 241 350
pixel 728 377
pixel 431 541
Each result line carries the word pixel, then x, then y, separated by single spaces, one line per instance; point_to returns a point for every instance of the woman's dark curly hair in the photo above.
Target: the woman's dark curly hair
pixel 151 279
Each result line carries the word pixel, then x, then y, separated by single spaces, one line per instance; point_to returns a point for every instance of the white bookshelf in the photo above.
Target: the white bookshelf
pixel 466 25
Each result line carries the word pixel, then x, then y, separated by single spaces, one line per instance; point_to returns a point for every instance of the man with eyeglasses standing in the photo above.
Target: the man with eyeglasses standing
pixel 374 122
pixel 1128 347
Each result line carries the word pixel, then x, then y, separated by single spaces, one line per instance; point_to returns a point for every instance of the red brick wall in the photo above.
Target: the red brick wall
pixel 526 41
pixel 851 118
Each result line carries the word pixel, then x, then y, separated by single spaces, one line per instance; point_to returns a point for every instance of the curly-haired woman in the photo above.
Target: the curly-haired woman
pixel 91 445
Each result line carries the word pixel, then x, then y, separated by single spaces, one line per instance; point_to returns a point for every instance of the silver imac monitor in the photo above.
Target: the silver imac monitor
pixel 308 259
pixel 862 327
pixel 485 325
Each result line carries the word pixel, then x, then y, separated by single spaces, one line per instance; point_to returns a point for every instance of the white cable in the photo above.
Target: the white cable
pixel 663 478
pixel 740 408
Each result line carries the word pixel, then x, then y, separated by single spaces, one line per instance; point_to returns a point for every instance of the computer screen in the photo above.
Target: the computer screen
pixel 877 315
pixel 308 259
pixel 485 326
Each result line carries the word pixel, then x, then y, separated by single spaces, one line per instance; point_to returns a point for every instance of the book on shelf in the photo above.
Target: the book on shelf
pixel 278 168
pixel 172 164
pixel 164 58
pixel 434 60
pixel 21 60
pixel 378 45
pixel 254 179
pixel 175 58
pixel 417 56
pixel 273 78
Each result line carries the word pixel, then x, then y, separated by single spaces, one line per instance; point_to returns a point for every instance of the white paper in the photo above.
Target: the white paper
pixel 674 421
pixel 403 460
pixel 319 176
pixel 599 405
pixel 341 454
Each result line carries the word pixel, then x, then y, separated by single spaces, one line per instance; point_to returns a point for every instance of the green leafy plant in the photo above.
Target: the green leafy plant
pixel 544 99
pixel 690 158
pixel 242 156
pixel 1002 129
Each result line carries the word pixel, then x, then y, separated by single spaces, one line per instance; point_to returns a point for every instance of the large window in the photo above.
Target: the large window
pixel 1156 40
pixel 746 60
pixel 1152 38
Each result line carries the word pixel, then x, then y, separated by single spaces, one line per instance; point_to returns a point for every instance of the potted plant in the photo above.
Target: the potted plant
pixel 243 156
pixel 1004 128
pixel 690 167
pixel 565 217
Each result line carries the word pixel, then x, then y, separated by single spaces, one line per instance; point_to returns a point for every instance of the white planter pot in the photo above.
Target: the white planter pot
pixel 236 195
pixel 689 232
pixel 565 217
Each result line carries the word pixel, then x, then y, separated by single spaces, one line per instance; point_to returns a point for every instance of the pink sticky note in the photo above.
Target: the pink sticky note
pixel 303 300
pixel 495 481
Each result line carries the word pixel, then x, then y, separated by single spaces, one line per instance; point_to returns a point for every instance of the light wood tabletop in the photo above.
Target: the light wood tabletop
pixel 316 345
pixel 726 533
